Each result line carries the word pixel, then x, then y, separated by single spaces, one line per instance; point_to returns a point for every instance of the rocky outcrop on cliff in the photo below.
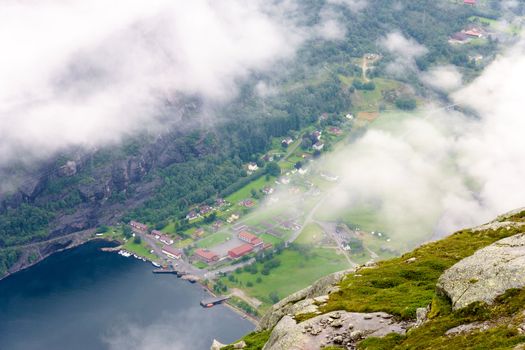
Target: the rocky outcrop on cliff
pixel 338 328
pixel 486 274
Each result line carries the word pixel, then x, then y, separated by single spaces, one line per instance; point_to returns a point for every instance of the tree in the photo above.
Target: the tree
pixel 161 224
pixel 298 165
pixel 137 240
pixel 306 143
pixel 127 232
pixel 102 229
pixel 210 218
pixel 274 297
pixel 406 103
pixel 273 169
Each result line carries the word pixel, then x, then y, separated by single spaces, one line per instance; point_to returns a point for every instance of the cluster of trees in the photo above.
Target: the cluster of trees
pixel 26 221
pixel 406 103
pixel 7 258
pixel 358 84
pixel 220 287
pixel 244 306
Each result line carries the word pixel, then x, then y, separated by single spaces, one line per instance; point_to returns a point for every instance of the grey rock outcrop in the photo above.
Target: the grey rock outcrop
pixel 468 328
pixel 335 328
pixel 68 169
pixel 487 273
pixel 421 315
pixel 216 345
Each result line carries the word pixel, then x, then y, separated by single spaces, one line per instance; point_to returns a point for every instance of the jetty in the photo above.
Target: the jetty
pixel 172 271
pixel 214 301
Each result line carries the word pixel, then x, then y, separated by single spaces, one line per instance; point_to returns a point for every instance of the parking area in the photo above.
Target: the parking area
pixel 222 249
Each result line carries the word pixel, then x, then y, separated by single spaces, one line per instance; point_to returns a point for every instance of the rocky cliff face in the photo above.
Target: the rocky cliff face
pixel 478 300
pixel 96 177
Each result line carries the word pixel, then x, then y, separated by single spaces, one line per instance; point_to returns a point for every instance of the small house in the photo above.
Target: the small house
pixel 166 239
pixel 205 209
pixel 171 252
pixel 318 146
pixel 192 215
pixel 138 227
pixel 199 232
pixel 287 141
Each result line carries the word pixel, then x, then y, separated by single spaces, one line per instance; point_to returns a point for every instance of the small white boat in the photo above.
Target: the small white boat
pixel 155 264
pixel 125 254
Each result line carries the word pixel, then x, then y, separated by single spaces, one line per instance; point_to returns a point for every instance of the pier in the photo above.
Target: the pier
pixel 179 273
pixel 213 301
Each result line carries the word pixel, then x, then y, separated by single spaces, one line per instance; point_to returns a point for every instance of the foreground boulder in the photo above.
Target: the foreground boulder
pixel 338 328
pixel 486 274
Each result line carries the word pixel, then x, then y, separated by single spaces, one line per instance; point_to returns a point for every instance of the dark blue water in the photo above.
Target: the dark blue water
pixel 87 299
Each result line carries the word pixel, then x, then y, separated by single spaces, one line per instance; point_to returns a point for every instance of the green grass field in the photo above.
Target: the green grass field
pixel 139 249
pixel 213 240
pixel 295 272
pixel 200 265
pixel 369 100
pixel 184 243
pixel 483 20
pixel 312 234
pixel 245 192
pixel 270 239
pixel 170 228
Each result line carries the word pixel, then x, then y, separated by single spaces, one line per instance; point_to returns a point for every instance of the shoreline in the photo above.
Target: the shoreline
pixel 70 241
pixel 254 320
pixel 81 240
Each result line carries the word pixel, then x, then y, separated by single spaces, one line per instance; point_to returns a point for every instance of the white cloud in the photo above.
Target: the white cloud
pixel 353 5
pixel 84 73
pixel 405 51
pixel 445 78
pixel 180 331
pixel 442 170
pixel 330 26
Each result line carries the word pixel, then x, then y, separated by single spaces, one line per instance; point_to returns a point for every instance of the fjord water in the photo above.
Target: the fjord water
pixel 87 299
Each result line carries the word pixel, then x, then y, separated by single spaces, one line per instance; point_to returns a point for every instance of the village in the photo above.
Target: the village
pixel 270 220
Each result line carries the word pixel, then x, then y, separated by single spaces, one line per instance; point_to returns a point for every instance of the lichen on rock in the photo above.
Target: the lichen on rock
pixel 486 274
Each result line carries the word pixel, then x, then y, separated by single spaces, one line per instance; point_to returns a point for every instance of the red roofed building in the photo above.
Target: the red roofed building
pixel 171 252
pixel 161 236
pixel 474 32
pixel 240 251
pixel 250 238
pixel 206 255
pixel 138 227
pixel 469 2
